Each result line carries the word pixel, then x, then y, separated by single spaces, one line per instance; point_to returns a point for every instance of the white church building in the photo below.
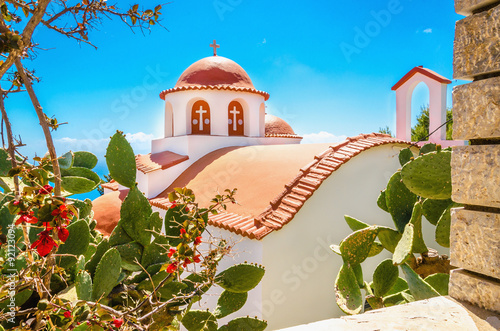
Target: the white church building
pixel 292 197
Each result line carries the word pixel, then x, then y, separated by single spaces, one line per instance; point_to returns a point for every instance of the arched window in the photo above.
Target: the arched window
pixel 200 118
pixel 235 122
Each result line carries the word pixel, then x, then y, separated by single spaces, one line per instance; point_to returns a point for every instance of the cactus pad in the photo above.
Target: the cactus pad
pixel 76 244
pixel 107 273
pixel 355 224
pixel 399 286
pixel 84 159
pixel 384 277
pixel 118 236
pixel 389 238
pixel 443 227
pixel 120 159
pixel 347 291
pixel 245 323
pixel 77 185
pixel 429 175
pixel 356 247
pixel 439 282
pixel 419 288
pixel 131 254
pixel 83 285
pixel 418 239
pixel 135 216
pixel 404 248
pixel 381 202
pixel 66 160
pixel 405 156
pixel 240 277
pixel 170 289
pixel 229 302
pixel 375 249
pixel 197 320
pixel 427 148
pixel 399 201
pixel 433 209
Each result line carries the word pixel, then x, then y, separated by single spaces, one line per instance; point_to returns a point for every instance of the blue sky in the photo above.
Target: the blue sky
pixel 321 74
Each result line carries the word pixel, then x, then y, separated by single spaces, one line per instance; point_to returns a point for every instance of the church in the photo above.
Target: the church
pixel 292 197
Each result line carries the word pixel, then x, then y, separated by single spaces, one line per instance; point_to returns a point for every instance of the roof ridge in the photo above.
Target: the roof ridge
pixel 213 87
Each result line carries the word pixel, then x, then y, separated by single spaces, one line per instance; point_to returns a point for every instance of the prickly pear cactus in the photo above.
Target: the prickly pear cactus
pixel 76 244
pixel 84 159
pixel 229 302
pixel 356 247
pixel 240 278
pixel 404 248
pixel 399 201
pixel 384 277
pixel 429 175
pixel 120 159
pixel 419 288
pixel 197 320
pixel 83 285
pixel 347 291
pixel 107 274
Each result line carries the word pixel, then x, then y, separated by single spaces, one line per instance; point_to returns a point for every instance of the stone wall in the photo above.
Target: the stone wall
pixel 475 228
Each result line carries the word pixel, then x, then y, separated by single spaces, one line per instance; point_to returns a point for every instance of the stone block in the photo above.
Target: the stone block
pixel 475 175
pixel 467 7
pixel 481 291
pixel 475 241
pixel 476 49
pixel 476 109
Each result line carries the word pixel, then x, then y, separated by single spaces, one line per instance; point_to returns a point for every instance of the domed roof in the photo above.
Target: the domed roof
pixel 215 70
pixel 276 126
pixel 215 73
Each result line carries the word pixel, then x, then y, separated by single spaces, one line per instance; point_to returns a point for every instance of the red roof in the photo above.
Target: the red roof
pixel 214 73
pixel 424 71
pixel 159 161
pixel 270 207
pixel 112 185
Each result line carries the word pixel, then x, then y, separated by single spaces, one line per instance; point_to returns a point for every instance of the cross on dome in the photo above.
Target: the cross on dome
pixel 215 46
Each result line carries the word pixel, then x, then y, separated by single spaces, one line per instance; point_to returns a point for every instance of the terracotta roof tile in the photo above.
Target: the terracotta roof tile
pixel 283 207
pixel 112 185
pixel 424 71
pixel 281 135
pixel 214 87
pixel 159 161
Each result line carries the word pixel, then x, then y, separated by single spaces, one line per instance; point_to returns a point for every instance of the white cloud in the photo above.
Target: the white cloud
pixel 428 30
pixel 264 41
pixel 140 141
pixel 322 137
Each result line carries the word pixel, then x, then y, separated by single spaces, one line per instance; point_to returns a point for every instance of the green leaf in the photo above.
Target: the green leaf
pixel 399 286
pixel 246 323
pixel 405 156
pixel 385 276
pixel 399 201
pixel 5 163
pixel 84 160
pixel 107 274
pixel 355 224
pixel 229 302
pixel 404 248
pixel 355 248
pixel 375 249
pixel 381 201
pixel 419 288
pixel 418 239
pixel 66 161
pixel 120 159
pixel 131 254
pixel 429 175
pixel 433 209
pixel 76 244
pixel 427 148
pixel 443 227
pixel 347 291
pixel 240 277
pixel 83 285
pixel 135 216
pixel 389 238
pixel 197 320
pixel 77 185
pixel 439 282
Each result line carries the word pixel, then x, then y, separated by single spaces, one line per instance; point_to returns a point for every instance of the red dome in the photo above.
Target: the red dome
pixel 215 70
pixel 277 126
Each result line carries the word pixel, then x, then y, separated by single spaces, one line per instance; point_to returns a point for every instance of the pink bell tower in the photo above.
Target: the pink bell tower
pixel 437 85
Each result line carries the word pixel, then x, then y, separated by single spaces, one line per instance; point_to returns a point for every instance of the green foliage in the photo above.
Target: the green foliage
pixel 347 291
pixel 240 278
pixel 429 175
pixel 385 130
pixel 106 274
pixel 76 244
pixel 197 320
pixel 83 285
pixel 420 188
pixel 420 131
pixel 245 323
pixel 84 159
pixel 120 159
pixel 229 302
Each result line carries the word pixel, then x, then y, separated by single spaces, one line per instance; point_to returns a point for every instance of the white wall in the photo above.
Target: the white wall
pixel 301 269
